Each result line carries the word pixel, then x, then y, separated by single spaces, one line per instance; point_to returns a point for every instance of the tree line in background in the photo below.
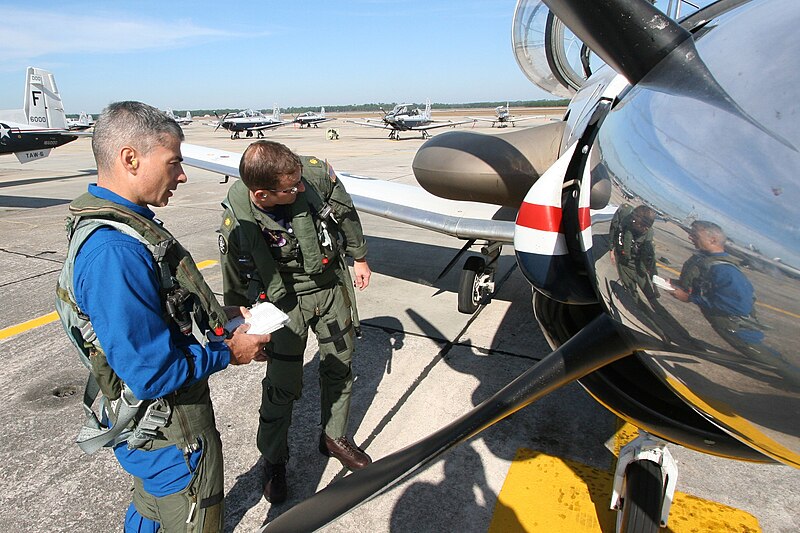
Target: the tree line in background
pixel 362 108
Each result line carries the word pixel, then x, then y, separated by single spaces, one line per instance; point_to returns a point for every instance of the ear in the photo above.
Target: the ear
pixel 129 159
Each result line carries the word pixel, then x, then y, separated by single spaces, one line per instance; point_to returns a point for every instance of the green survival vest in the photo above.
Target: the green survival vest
pixel 318 218
pixel 187 300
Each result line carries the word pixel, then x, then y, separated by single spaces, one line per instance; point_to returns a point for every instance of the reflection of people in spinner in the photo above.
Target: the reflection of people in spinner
pixel 633 251
pixel 724 295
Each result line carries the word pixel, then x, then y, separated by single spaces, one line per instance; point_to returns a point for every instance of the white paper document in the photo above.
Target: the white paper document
pixel 264 318
pixel 662 283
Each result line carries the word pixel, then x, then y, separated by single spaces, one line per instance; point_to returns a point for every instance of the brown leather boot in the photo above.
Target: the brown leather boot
pixel 275 482
pixel 350 455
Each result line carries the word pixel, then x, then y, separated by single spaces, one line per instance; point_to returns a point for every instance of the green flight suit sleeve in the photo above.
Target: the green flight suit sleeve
pixel 349 224
pixel 234 291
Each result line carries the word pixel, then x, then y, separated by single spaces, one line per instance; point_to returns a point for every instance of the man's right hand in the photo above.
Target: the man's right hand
pixel 245 347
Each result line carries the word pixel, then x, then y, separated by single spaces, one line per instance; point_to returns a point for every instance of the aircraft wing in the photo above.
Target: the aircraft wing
pixel 525 117
pixel 396 201
pixel 442 124
pixel 382 125
pixel 484 119
pixel 269 126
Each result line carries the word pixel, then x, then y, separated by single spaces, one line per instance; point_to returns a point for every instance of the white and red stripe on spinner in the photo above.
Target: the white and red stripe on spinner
pixel 538 224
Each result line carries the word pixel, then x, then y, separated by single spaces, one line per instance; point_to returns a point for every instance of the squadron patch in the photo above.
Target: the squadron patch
pixel 227 221
pixel 223 245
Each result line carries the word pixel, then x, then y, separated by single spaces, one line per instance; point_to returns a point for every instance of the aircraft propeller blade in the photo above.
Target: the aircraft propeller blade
pixel 642 34
pixel 596 345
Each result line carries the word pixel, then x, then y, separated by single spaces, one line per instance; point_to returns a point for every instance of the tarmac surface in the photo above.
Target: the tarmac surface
pixel 420 365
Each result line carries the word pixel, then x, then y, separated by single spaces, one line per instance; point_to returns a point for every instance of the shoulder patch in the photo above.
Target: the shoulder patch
pixel 313 161
pixel 223 245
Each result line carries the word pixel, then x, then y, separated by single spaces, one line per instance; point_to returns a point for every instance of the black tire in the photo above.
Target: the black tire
pixel 644 493
pixel 468 297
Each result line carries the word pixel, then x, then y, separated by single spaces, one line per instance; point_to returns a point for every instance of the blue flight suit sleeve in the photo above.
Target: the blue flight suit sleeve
pixel 116 285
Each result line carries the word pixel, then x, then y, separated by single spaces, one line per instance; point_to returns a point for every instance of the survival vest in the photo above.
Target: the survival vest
pixel 186 300
pixel 303 257
pixel 698 278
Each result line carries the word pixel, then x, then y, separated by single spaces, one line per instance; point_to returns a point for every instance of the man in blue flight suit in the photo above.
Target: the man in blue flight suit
pixel 712 281
pixel 137 309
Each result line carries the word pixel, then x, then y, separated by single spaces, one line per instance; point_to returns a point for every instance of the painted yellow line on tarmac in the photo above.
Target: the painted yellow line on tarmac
pixel 52 317
pixel 30 324
pixel 547 493
pixel 207 263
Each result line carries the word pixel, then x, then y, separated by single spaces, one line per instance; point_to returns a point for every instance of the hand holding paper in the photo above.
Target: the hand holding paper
pixel 264 318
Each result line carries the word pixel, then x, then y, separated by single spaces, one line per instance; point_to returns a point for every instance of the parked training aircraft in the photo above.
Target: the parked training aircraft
pixel 406 117
pixel 503 117
pixel 310 118
pixel 682 126
pixel 84 122
pixel 250 121
pixel 41 125
pixel 183 121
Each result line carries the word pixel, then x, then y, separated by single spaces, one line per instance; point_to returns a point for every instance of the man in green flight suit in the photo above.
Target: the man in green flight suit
pixel 286 227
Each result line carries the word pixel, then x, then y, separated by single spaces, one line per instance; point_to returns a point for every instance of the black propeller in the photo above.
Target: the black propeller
pixel 220 120
pixel 596 345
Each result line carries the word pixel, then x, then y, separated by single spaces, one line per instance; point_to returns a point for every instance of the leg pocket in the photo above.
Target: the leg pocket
pixel 200 506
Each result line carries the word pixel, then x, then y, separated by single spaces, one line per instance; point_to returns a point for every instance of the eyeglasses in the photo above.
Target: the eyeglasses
pixel 290 190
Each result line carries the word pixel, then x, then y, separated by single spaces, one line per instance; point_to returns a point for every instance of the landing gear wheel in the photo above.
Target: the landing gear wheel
pixel 644 492
pixel 470 289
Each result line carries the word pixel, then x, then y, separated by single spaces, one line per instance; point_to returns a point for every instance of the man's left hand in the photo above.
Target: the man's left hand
pixel 362 274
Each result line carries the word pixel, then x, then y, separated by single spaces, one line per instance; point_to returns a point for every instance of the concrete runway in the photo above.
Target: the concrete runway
pixel 420 365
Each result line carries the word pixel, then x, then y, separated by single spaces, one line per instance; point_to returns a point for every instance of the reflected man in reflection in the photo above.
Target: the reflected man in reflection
pixel 632 245
pixel 711 280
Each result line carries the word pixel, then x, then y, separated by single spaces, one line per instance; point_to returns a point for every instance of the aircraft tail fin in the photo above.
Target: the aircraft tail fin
pixel 43 105
pixel 188 115
pixel 427 113
pixel 276 112
pixel 322 112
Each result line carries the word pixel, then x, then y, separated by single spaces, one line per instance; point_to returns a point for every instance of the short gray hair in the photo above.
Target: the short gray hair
pixel 135 124
pixel 711 229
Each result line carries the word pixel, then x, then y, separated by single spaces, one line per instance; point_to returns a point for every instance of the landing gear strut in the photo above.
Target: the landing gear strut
pixel 476 284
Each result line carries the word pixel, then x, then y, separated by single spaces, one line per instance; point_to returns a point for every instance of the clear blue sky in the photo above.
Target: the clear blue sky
pixel 251 54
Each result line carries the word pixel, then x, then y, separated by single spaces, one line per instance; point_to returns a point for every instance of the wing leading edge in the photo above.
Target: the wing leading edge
pixel 395 201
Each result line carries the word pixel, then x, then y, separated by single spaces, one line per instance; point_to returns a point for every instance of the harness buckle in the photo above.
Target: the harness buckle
pixel 155 417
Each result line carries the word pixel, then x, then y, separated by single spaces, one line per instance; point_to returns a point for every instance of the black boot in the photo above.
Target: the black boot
pixel 275 482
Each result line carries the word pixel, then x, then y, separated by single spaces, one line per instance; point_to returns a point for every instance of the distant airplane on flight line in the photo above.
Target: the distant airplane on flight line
pixel 250 121
pixel 41 125
pixel 310 118
pixel 84 122
pixel 406 117
pixel 183 121
pixel 503 117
